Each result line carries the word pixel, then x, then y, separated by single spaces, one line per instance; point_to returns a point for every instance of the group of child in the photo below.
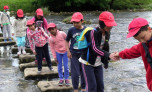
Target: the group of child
pixel 40 35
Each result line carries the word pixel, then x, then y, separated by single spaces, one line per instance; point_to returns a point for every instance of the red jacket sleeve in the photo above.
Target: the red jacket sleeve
pixel 133 52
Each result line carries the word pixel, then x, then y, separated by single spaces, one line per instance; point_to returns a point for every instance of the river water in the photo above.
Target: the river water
pixel 122 76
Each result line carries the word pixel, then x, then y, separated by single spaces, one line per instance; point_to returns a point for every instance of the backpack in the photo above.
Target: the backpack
pixel 82 42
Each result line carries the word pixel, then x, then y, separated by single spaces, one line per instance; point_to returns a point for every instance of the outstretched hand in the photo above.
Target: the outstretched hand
pixel 114 56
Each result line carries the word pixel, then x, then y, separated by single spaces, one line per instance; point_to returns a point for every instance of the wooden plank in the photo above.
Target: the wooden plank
pixel 32 64
pixel 32 73
pixel 48 86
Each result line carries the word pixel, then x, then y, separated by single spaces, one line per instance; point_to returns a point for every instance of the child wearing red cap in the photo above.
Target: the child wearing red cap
pixel 74 53
pixel 5 24
pixel 40 21
pixel 58 49
pixel 38 43
pixel 140 30
pixel 19 26
pixel 98 53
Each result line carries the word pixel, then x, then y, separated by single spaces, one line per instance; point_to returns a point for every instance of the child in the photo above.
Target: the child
pixel 39 38
pixel 5 24
pixel 40 21
pixel 58 49
pixel 20 31
pixel 140 30
pixel 99 46
pixel 74 53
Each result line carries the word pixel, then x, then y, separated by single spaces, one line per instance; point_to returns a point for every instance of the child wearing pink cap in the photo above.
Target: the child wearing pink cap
pixel 40 21
pixel 74 53
pixel 98 53
pixel 38 43
pixel 58 49
pixel 19 26
pixel 5 24
pixel 141 31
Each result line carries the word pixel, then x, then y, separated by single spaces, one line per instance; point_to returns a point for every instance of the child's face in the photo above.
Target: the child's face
pixel 39 17
pixel 144 36
pixel 78 25
pixel 31 27
pixel 106 28
pixel 52 31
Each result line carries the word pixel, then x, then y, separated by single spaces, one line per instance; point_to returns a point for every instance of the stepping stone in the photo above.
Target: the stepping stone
pixel 1 34
pixel 32 73
pixel 52 86
pixel 7 43
pixel 32 64
pixel 15 50
pixel 2 39
pixel 26 58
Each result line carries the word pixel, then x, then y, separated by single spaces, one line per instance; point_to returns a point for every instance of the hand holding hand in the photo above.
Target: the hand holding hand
pixel 69 54
pixel 34 53
pixel 115 56
pixel 56 60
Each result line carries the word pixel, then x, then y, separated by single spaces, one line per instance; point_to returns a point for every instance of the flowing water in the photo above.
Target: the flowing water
pixel 122 76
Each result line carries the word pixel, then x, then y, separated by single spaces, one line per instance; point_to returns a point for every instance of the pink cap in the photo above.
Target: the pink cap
pixel 20 13
pixel 107 18
pixel 135 26
pixel 39 12
pixel 76 17
pixel 30 22
pixel 52 25
pixel 6 8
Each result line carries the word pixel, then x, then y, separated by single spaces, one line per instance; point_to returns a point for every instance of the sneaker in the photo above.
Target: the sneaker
pixel 60 82
pixel 10 40
pixel 67 82
pixel 39 71
pixel 19 53
pixel 5 40
pixel 36 62
pixel 24 52
pixel 44 60
pixel 51 69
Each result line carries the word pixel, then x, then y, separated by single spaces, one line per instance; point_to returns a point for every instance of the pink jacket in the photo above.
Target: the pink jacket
pixel 37 38
pixel 57 43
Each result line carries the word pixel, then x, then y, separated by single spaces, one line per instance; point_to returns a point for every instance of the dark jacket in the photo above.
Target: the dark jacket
pixel 95 38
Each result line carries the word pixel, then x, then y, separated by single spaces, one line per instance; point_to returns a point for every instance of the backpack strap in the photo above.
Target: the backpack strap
pixel 147 54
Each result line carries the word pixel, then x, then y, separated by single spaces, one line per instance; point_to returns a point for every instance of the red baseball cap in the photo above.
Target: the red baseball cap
pixel 6 8
pixel 30 22
pixel 76 17
pixel 135 26
pixel 107 18
pixel 39 11
pixel 52 25
pixel 20 13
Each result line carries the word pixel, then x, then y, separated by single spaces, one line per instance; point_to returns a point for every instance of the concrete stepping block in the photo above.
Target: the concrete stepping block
pixel 1 34
pixel 26 58
pixel 7 43
pixel 15 50
pixel 2 39
pixel 32 73
pixel 48 86
pixel 32 64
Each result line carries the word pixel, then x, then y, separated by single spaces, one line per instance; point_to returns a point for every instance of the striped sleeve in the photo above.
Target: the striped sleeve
pixel 96 46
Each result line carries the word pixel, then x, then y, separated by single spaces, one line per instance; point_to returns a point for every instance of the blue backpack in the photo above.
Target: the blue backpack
pixel 82 42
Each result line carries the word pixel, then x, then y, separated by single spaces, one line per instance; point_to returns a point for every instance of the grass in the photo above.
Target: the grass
pixel 14 5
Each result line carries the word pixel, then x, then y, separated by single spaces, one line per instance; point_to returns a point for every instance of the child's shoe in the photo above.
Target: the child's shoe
pixel 19 53
pixel 39 71
pixel 5 40
pixel 51 69
pixel 60 82
pixel 67 82
pixel 10 40
pixel 36 62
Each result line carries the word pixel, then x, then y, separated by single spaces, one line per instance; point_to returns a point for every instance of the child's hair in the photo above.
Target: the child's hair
pixel 19 17
pixel 102 24
pixel 143 28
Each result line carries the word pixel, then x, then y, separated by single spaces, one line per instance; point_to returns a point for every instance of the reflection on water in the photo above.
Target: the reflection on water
pixel 122 76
